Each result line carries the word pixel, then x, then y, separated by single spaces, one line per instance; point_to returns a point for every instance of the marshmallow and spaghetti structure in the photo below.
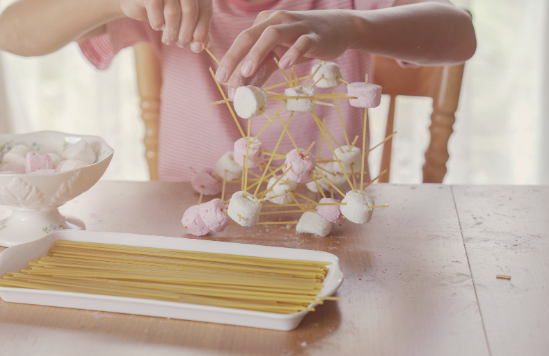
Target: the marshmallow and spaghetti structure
pixel 215 279
pixel 255 167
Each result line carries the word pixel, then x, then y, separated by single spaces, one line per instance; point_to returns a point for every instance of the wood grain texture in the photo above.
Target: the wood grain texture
pixel 149 85
pixel 407 288
pixel 506 231
pixel 443 85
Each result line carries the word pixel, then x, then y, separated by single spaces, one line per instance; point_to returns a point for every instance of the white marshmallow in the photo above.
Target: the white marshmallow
pixel 312 223
pixel 336 178
pixel 80 150
pixel 358 208
pixel 55 159
pixel 70 165
pixel 18 154
pixel 250 101
pixel 347 159
pixel 330 71
pixel 303 105
pixel 312 186
pixel 282 187
pixel 228 164
pixel 244 210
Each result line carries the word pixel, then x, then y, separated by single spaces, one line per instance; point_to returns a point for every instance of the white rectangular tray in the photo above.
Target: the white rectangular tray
pixel 17 257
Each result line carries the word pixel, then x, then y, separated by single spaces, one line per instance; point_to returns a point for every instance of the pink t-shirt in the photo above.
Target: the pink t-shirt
pixel 195 135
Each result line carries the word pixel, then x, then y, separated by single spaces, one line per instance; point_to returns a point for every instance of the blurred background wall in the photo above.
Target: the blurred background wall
pixel 499 136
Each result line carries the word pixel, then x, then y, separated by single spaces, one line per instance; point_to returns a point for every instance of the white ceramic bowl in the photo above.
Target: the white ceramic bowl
pixel 32 200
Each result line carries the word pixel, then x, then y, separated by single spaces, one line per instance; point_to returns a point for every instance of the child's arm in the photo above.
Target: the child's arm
pixel 424 32
pixel 38 27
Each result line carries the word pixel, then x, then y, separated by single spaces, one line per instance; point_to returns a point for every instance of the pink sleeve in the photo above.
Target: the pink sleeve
pixel 120 34
pixel 373 4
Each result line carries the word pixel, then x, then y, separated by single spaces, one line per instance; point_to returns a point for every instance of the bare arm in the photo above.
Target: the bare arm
pixel 426 32
pixel 38 27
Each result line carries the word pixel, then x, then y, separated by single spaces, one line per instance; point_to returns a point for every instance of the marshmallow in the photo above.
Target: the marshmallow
pixel 250 101
pixel 80 150
pixel 55 159
pixel 244 210
pixel 213 216
pixel 301 166
pixel 13 167
pixel 332 213
pixel 337 178
pixel 70 165
pixel 282 187
pixel 330 71
pixel 255 152
pixel 367 95
pixel 227 164
pixel 206 181
pixel 347 159
pixel 312 186
pixel 18 154
pixel 358 208
pixel 312 223
pixel 36 161
pixel 192 222
pixel 303 105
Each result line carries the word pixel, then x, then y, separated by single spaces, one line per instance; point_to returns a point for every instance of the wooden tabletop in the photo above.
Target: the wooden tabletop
pixel 420 279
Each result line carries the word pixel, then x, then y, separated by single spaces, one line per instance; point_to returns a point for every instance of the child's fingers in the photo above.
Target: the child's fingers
pixel 155 13
pixel 201 36
pixel 240 47
pixel 190 11
pixel 172 17
pixel 300 48
pixel 271 37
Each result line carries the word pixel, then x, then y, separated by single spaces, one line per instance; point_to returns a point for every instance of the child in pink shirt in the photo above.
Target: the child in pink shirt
pixel 193 135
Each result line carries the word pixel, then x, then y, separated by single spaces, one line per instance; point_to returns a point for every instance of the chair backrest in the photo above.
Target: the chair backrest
pixel 443 84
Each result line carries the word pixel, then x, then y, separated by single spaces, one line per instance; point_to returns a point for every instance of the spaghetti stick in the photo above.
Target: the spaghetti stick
pixel 228 104
pixel 267 124
pixel 217 103
pixel 331 184
pixel 331 136
pixel 323 103
pixel 342 81
pixel 224 183
pixel 283 74
pixel 246 163
pixel 319 79
pixel 201 195
pixel 320 190
pixel 309 149
pixel 284 129
pixel 282 212
pixel 316 204
pixel 341 120
pixel 377 206
pixel 373 180
pixel 282 84
pixel 295 77
pixel 382 142
pixel 289 135
pixel 304 197
pixel 353 173
pixel 295 201
pixel 277 223
pixel 354 143
pixel 262 194
pixel 211 55
pixel 265 180
pixel 363 150
pixel 319 124
pixel 325 170
pixel 314 73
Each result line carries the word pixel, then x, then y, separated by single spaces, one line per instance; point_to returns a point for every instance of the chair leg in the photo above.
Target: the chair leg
pixel 442 120
pixel 388 146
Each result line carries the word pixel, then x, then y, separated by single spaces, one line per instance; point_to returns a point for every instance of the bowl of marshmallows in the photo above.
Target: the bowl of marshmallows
pixel 39 172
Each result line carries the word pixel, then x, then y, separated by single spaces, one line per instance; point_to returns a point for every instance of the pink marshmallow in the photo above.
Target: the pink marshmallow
pixel 301 166
pixel 213 216
pixel 255 152
pixel 192 222
pixel 37 161
pixel 367 95
pixel 207 179
pixel 13 167
pixel 332 213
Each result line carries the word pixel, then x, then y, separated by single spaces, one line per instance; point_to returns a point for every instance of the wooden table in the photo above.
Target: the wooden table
pixel 420 279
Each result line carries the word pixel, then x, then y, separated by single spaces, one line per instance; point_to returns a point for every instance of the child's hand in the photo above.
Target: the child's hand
pixel 292 36
pixel 182 21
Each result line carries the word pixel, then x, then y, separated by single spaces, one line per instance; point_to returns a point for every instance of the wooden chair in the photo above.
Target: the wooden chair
pixel 443 84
